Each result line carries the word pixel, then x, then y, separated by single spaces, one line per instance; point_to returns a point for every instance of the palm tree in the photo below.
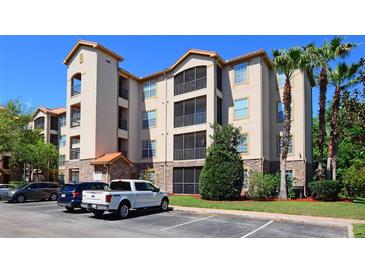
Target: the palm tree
pixel 320 58
pixel 287 62
pixel 342 77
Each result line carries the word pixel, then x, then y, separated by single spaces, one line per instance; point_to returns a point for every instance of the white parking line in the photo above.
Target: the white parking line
pixel 193 221
pixel 257 229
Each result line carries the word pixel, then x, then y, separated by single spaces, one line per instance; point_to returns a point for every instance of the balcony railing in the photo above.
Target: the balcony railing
pixel 192 119
pixel 74 153
pixel 123 93
pixel 123 124
pixel 76 90
pixel 75 121
pixel 190 86
pixel 190 153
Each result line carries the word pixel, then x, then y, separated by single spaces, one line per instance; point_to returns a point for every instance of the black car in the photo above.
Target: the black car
pixel 70 196
pixel 34 191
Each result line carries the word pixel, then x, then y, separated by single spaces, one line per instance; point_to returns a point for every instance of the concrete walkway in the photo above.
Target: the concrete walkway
pixel 275 216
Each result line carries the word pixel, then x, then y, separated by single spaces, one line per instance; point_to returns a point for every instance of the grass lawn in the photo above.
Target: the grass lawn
pixel 359 231
pixel 346 210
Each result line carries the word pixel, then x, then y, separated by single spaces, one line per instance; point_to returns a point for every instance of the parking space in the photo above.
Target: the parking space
pixel 46 219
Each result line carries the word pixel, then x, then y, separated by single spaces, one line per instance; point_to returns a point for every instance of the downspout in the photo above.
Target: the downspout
pixel 305 139
pixel 262 119
pixel 165 158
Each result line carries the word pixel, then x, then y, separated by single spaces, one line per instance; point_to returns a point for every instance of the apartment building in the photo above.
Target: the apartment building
pixel 117 125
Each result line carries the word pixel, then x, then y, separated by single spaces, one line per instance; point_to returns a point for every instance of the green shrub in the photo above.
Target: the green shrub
pixel 263 186
pixel 325 190
pixel 16 184
pixel 222 175
pixel 354 182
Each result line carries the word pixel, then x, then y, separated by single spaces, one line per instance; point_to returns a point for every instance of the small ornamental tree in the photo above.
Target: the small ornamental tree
pixel 222 175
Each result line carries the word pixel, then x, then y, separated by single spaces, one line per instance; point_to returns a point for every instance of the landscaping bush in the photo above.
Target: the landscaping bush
pixel 263 186
pixel 16 184
pixel 325 190
pixel 354 182
pixel 222 175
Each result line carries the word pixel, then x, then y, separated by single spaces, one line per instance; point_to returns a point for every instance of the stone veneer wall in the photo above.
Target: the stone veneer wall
pixel 117 170
pixel 84 167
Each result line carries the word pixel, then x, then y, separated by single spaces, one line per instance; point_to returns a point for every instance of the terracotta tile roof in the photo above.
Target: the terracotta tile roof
pixel 92 45
pixel 55 111
pixel 108 158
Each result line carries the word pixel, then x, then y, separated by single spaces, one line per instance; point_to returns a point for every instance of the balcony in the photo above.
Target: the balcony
pixel 190 153
pixel 190 86
pixel 123 124
pixel 75 121
pixel 75 115
pixel 192 119
pixel 74 153
pixel 123 93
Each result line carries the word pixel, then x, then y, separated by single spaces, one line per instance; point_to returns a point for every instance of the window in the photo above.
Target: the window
pixel 53 139
pixel 75 140
pixel 123 92
pixel 54 123
pixel 149 89
pixel 219 78
pixel 62 120
pixel 152 176
pixel 76 84
pixel 141 186
pixel 241 108
pixel 281 80
pixel 75 115
pixel 240 73
pixel 39 123
pixel 148 149
pixel 122 186
pixel 122 118
pixel 74 175
pixel 62 141
pixel 190 146
pixel 280 112
pixel 219 110
pixel 191 79
pixel 190 112
pixel 245 178
pixel 278 145
pixel 149 119
pixel 61 160
pixel 289 175
pixel 243 146
pixel 186 180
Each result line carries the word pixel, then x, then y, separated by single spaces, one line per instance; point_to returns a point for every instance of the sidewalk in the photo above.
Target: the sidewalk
pixel 274 216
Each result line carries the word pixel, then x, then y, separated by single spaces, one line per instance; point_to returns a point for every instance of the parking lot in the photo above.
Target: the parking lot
pixel 46 219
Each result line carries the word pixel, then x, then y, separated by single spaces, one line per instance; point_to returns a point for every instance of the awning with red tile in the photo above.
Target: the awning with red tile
pixel 109 158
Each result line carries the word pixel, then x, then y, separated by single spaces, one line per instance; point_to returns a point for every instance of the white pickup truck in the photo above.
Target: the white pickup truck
pixel 123 196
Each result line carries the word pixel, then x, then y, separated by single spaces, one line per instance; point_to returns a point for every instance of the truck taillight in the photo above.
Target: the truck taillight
pixel 75 194
pixel 108 198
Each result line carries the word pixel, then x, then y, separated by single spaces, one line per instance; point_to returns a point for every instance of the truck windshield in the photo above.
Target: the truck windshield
pixel 122 186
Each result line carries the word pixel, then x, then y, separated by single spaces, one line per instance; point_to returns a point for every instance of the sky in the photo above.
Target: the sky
pixel 32 69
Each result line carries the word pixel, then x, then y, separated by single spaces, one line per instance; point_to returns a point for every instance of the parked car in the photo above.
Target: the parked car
pixel 71 194
pixel 3 189
pixel 123 196
pixel 34 191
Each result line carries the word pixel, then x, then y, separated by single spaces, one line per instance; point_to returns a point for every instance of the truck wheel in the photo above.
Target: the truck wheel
pixel 98 213
pixel 123 210
pixel 164 204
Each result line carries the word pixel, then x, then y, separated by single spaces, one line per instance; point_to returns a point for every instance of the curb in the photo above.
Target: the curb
pixel 327 221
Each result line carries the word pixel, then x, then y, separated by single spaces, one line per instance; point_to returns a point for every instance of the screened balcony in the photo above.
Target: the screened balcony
pixel 191 79
pixel 190 146
pixel 190 112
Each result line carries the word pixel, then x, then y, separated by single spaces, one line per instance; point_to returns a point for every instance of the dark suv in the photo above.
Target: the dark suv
pixel 70 196
pixel 34 191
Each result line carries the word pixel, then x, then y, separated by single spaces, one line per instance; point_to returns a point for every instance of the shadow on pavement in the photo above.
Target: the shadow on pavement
pixel 133 214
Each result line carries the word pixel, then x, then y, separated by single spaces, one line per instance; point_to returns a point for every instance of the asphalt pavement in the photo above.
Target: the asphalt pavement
pixel 48 220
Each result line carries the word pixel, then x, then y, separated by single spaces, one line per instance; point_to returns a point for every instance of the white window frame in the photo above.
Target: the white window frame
pixel 148 90
pixel 151 121
pixel 242 145
pixel 240 73
pixel 245 109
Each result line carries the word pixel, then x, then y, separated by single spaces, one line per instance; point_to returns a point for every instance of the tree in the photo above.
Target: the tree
pixel 320 57
pixel 342 77
pixel 13 121
pixel 222 175
pixel 287 62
